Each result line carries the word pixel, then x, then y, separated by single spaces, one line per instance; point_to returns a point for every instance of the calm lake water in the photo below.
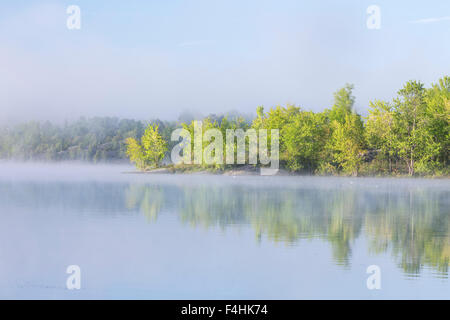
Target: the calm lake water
pixel 219 237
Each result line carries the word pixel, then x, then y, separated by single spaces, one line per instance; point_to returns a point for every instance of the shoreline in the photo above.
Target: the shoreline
pixel 255 171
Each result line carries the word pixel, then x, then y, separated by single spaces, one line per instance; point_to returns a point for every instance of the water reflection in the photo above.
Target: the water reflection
pixel 411 223
pixel 409 220
pixel 149 200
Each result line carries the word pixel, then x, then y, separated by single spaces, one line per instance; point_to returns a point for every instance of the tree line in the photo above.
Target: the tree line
pixel 96 139
pixel 408 135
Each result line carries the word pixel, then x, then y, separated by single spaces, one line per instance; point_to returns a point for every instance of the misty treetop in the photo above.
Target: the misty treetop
pixel 408 135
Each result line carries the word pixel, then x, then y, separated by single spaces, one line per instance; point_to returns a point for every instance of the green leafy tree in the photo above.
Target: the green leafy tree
pixel 345 147
pixel 150 152
pixel 347 143
pixel 413 140
pixel 276 118
pixel 343 103
pixel 260 111
pixel 380 131
pixel 153 145
pixel 135 153
pixel 304 139
pixel 438 119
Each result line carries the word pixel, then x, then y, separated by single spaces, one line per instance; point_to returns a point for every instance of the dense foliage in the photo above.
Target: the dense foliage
pixel 408 135
pixel 96 139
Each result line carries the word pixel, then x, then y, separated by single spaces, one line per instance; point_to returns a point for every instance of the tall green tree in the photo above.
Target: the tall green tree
pixel 154 146
pixel 343 104
pixel 413 140
pixel 347 144
pixel 438 118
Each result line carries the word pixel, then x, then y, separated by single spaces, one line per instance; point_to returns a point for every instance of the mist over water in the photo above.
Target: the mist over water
pixel 206 236
pixel 348 88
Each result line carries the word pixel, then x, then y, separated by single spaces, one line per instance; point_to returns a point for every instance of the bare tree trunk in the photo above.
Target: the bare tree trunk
pixel 411 165
pixel 390 164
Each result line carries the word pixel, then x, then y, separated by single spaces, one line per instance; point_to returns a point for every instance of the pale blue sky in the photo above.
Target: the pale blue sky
pixel 148 59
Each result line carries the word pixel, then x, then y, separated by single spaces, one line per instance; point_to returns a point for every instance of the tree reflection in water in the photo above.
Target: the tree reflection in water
pixel 412 224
